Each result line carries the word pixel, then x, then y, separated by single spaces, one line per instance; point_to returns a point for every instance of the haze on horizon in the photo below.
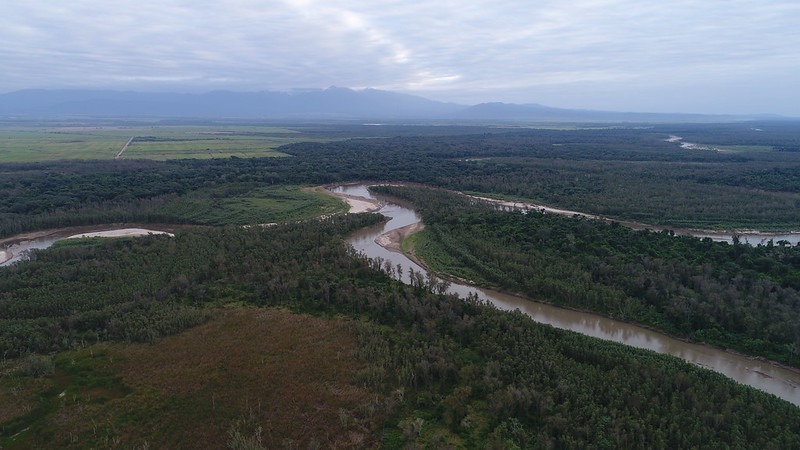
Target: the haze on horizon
pixel 717 56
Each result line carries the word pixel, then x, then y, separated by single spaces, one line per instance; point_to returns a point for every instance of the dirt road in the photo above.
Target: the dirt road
pixel 124 148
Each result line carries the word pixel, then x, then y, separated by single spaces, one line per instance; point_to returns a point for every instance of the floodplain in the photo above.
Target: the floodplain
pixel 147 141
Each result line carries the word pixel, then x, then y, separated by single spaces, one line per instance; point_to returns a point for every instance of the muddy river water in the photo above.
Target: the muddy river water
pixel 785 383
pixel 18 248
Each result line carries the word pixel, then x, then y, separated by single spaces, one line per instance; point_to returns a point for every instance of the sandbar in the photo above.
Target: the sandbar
pixel 357 204
pixel 361 206
pixel 123 232
pixel 393 239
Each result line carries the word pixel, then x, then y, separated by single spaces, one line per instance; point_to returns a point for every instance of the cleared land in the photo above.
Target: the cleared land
pixel 201 389
pixel 162 142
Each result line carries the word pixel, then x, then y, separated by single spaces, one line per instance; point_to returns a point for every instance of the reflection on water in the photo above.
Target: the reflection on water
pixel 769 378
pixel 21 250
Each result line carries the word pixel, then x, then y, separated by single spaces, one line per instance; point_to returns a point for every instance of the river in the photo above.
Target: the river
pixel 751 237
pixel 785 383
pixel 18 248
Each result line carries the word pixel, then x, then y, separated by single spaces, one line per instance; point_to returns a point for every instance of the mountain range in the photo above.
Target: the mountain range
pixel 333 103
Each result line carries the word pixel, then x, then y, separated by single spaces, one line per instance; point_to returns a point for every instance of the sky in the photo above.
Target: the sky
pixel 698 56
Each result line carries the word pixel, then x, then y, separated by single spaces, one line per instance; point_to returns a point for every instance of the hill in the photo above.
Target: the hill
pixel 333 103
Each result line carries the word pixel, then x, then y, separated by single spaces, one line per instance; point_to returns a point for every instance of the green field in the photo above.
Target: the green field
pixel 244 205
pixel 745 148
pixel 25 145
pixel 158 142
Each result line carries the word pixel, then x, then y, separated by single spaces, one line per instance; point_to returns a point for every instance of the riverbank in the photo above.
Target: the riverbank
pixel 29 236
pixel 69 231
pixel 792 236
pixel 393 239
pixel 357 204
pixel 124 232
pixel 14 248
pixel 750 236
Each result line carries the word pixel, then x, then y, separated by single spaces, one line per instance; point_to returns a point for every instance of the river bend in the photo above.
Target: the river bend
pixel 783 382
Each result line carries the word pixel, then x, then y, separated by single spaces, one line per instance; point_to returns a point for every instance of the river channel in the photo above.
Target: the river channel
pixel 18 248
pixel 784 383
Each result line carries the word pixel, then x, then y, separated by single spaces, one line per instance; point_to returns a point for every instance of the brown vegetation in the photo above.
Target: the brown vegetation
pixel 18 395
pixel 259 375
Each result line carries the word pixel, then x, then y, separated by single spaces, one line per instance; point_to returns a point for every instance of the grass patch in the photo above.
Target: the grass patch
pixel 256 372
pixel 744 148
pixel 423 246
pixel 41 144
pixel 410 243
pixel 241 205
pixel 18 391
pixel 162 142
pixel 84 242
pixel 204 148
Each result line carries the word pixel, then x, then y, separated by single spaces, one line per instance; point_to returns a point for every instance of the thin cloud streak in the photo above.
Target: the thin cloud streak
pixel 631 54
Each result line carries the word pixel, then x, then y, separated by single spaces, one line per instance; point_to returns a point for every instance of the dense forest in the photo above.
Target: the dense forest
pixel 617 172
pixel 444 371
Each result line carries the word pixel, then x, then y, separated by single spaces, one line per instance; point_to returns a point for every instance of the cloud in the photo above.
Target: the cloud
pixel 448 46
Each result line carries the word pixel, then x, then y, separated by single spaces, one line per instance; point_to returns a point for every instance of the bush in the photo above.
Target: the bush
pixel 39 365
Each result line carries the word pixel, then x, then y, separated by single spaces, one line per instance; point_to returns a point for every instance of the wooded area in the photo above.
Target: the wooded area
pixel 623 173
pixel 735 296
pixel 471 375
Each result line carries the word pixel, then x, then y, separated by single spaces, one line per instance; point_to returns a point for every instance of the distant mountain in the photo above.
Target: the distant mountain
pixel 510 112
pixel 333 103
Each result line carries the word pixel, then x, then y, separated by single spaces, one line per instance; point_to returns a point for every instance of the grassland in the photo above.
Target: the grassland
pixel 157 142
pixel 242 205
pixel 200 389
pixel 26 145
pixel 745 148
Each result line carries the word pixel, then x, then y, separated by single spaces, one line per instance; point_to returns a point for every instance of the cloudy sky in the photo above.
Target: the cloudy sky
pixel 708 56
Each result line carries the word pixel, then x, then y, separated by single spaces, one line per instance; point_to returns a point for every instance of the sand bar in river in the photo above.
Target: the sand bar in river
pixel 123 232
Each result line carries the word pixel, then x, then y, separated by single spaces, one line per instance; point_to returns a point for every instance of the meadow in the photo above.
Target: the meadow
pixel 207 388
pixel 153 141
